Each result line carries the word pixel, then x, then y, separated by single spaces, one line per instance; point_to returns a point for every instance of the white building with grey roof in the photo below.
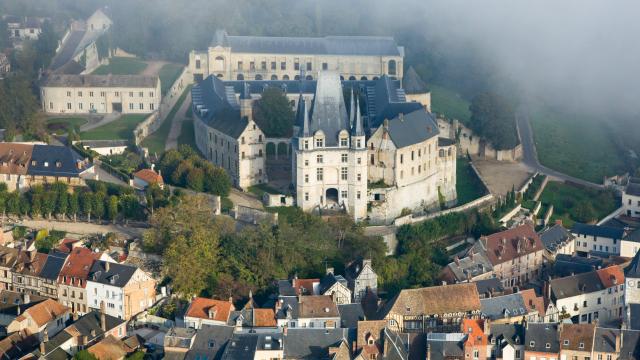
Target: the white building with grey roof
pixel 100 94
pixel 289 58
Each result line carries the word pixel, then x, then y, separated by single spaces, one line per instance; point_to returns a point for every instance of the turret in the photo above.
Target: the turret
pixel 357 131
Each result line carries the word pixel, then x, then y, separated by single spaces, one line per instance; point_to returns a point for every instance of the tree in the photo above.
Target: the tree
pixel 98 205
pixel 273 113
pixel 49 201
pixel 13 203
pixel 63 203
pixel 84 355
pixel 195 179
pixel 113 208
pixel 493 118
pixel 74 204
pixel 86 201
pixel 584 212
pixel 217 181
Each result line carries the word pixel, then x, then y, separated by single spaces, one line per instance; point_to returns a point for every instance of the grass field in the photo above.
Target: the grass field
pixel 566 198
pixel 187 136
pixel 121 66
pixel 61 126
pixel 168 75
pixel 119 129
pixel 157 141
pixel 468 185
pixel 576 145
pixel 449 103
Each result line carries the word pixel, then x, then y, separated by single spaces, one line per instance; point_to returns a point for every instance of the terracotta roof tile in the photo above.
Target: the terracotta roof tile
pixel 510 244
pixel 304 286
pixel 149 176
pixel 611 276
pixel 474 328
pixel 108 348
pixel 199 308
pixel 264 318
pixel 533 302
pixel 76 269
pixel 45 311
pixel 14 158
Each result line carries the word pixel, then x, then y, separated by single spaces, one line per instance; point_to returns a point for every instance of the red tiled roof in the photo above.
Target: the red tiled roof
pixel 149 176
pixel 264 318
pixel 199 308
pixel 46 311
pixel 304 286
pixel 67 245
pixel 475 331
pixel 511 244
pixel 77 267
pixel 533 302
pixel 611 276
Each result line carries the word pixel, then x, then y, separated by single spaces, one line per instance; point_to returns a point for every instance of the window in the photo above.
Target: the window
pixel 476 354
pixel 130 106
pixel 325 66
pixel 273 65
pixel 358 195
pixel 359 177
pixel 308 66
pixel 319 174
pixel 197 64
pixel 584 303
pixel 532 344
pixel 79 93
pixel 240 65
pixel 319 159
pixel 283 66
pixel 306 144
pixel 117 93
pixel 343 194
pixel 344 173
pixel 296 64
pixel 306 178
pixel 343 141
pixel 306 195
pixel 401 158
pixel 565 343
pixel 306 163
pixel 263 65
pixel 68 106
pixel 50 104
pixel 318 142
pixel 141 94
pixel 69 93
pixel 152 106
pixel 130 93
pixel 581 345
pixel 80 106
pixel 517 354
pixel 547 346
pixel 141 106
pixel 344 158
pixel 90 93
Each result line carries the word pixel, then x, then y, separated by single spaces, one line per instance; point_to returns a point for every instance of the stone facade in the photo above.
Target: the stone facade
pixel 264 58
pixel 100 94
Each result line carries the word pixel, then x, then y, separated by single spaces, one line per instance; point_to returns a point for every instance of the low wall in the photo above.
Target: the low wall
pixel 523 189
pixel 479 202
pixel 253 216
pixel 542 186
pixel 147 127
pixel 505 219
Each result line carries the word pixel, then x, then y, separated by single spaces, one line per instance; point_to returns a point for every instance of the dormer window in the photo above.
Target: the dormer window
pixel 34 163
pixel 547 346
pixel 319 142
pixel 344 141
pixel 58 164
pixel 532 343
pixel 46 164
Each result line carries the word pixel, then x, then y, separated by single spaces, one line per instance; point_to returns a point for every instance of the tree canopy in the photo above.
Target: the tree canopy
pixel 493 118
pixel 273 113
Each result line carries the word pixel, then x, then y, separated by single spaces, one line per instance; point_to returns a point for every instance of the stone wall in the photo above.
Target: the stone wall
pixel 477 203
pixel 253 216
pixel 470 143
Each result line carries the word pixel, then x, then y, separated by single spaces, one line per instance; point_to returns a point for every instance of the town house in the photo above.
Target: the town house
pixel 72 280
pixel 361 278
pixel 44 319
pixel 26 272
pixel 8 258
pixel 203 311
pixel 599 240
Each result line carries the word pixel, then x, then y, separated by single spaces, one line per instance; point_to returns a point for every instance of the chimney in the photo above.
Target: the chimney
pixel 85 339
pixel 559 222
pixel 45 336
pixel 153 166
pixel 329 270
pixel 401 117
pixel 75 316
pixel 107 266
pixel 471 255
pixel 619 340
pixel 284 330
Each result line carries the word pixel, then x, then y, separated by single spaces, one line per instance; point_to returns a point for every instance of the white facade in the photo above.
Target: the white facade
pixel 605 305
pixel 588 243
pixel 100 100
pixel 631 204
pixel 629 248
pixel 112 296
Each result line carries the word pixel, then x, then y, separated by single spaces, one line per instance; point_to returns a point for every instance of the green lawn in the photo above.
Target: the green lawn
pixel 450 104
pixel 156 141
pixel 168 75
pixel 468 185
pixel 60 126
pixel 119 129
pixel 567 199
pixel 121 66
pixel 187 136
pixel 576 145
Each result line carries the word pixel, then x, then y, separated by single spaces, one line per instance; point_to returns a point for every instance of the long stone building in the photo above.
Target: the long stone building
pixel 101 94
pixel 289 58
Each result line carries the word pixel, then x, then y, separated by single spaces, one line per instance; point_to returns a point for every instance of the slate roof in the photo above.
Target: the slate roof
pixel 83 327
pixel 595 230
pixel 354 268
pixel 633 236
pixel 634 316
pixel 412 83
pixel 53 265
pixel 576 285
pixel 470 266
pixel 328 112
pixel 329 45
pixel 445 346
pixel 442 142
pixel 566 265
pixel 555 236
pixel 312 343
pixel 10 300
pixel 51 160
pixel 17 345
pixel 213 104
pixel 489 286
pixel 508 333
pixel 633 269
pixel 127 81
pixel 538 335
pixel 117 275
pixel 350 314
pixel 434 300
pixel 329 280
pixel 68 49
pixel 210 342
pixel 412 128
pixel 241 346
pixel 502 307
pixel 253 317
pixel 633 189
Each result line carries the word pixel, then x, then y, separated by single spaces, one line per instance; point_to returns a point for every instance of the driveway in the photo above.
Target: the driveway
pixel 176 124
pixel 530 155
pixel 109 118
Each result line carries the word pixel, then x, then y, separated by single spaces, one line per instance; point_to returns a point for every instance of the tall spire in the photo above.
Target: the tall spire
pixel 305 124
pixel 352 113
pixel 358 127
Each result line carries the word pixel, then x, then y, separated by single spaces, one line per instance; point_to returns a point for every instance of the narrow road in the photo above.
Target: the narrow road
pixel 108 118
pixel 82 228
pixel 530 155
pixel 176 124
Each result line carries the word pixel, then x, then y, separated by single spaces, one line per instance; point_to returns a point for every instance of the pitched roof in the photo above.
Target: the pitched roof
pixel 489 286
pixel 633 189
pixel 350 315
pixel 149 176
pixel 611 276
pixel 53 265
pixel 472 265
pixel 111 273
pixel 128 81
pixel 412 83
pixel 329 112
pixel 51 160
pixel 46 311
pixel 15 345
pixel 77 267
pixel 435 300
pixel 578 284
pixel 354 268
pixel 253 317
pixel 67 244
pixel 444 346
pixel 510 333
pixel 14 158
pixel 605 340
pixel 210 342
pixel 412 128
pixel 295 287
pixel 217 107
pixel 30 263
pixel 8 256
pixel 201 307
pixel 555 236
pixel 474 328
pixel 502 307
pixel 510 244
pixel 533 302
pixel 542 337
pixel 317 306
pixel 566 265
pixel 633 269
pixel 577 336
pixel 108 348
pixel 312 343
pixel 596 230
pixel 329 45
pixel 329 280
pixel 634 316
